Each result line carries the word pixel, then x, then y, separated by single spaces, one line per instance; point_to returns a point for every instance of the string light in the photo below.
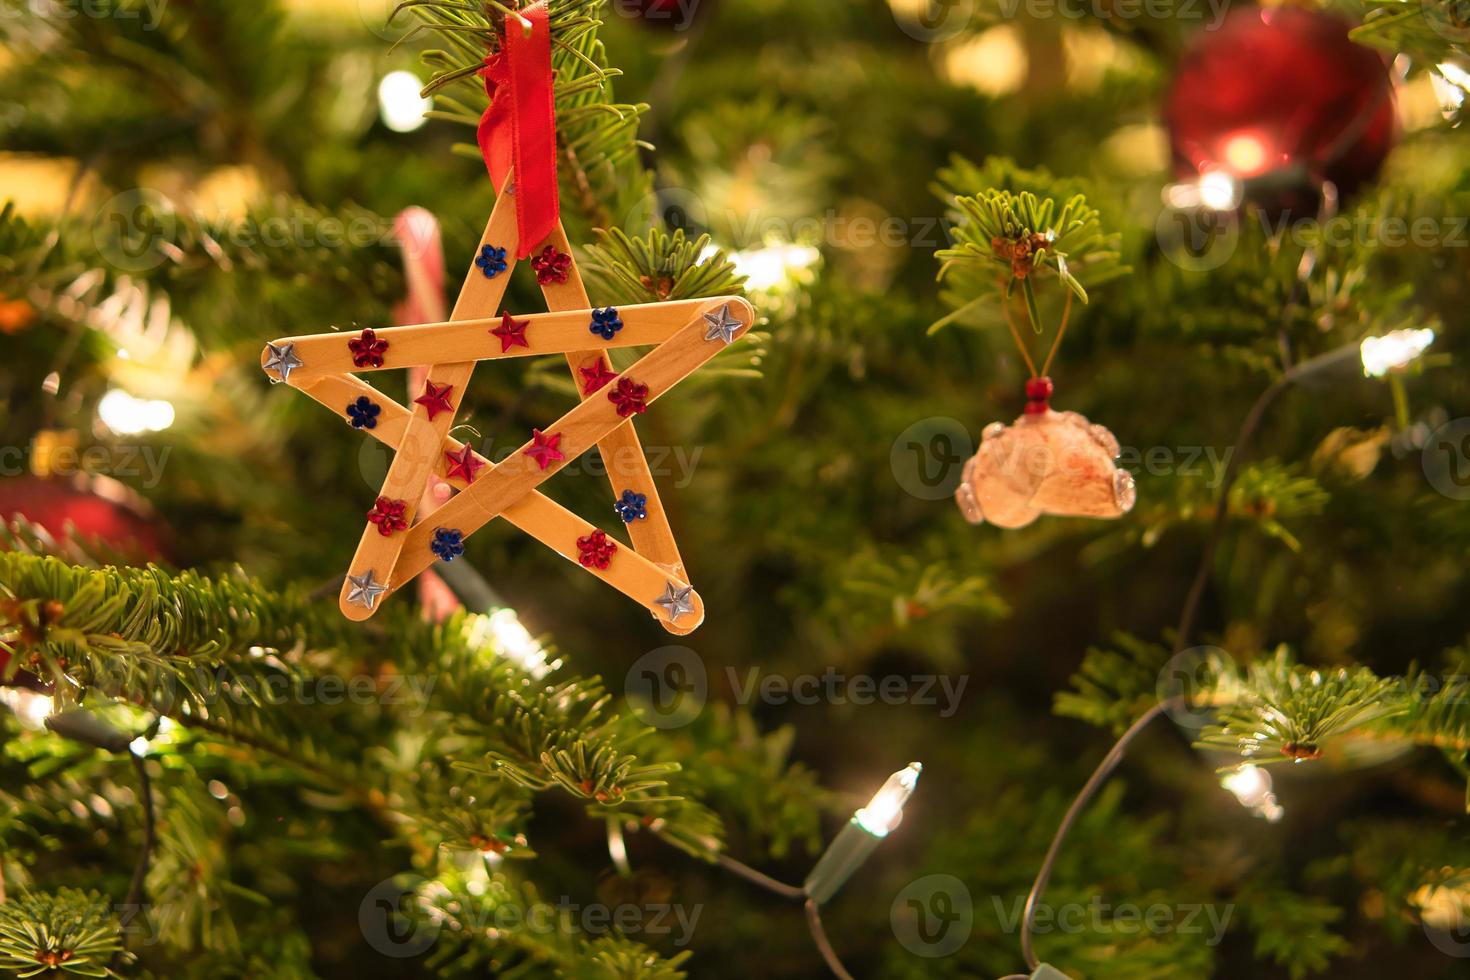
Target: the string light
pixel 503 629
pixel 1252 787
pixel 1393 350
pixel 862 835
pixel 128 416
pixel 1245 154
pixel 1215 190
pixel 770 267
pixel 399 101
pixel 30 708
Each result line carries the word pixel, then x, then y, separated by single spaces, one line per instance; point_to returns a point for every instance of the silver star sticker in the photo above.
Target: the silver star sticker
pixel 363 590
pixel 676 601
pixel 283 360
pixel 722 326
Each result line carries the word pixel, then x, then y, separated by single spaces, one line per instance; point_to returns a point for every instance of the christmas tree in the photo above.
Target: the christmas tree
pixel 1184 672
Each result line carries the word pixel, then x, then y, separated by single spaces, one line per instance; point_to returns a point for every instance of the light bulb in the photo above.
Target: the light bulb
pixel 30 708
pixel 400 103
pixel 126 415
pixel 885 809
pixel 1250 784
pixel 1393 350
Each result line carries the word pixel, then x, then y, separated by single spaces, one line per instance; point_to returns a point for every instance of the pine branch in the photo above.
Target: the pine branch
pixel 596 136
pixel 1004 238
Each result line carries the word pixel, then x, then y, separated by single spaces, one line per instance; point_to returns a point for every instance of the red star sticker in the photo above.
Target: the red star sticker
pixel 595 377
pixel 543 448
pixel 512 333
pixel 367 349
pixel 463 464
pixel 435 398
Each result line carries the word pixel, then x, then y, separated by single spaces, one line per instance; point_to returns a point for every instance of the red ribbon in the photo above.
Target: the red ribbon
pixel 518 130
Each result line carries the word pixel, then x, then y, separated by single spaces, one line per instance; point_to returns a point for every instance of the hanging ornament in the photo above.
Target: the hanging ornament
pixel 1280 101
pixel 92 508
pixel 402 538
pixel 1046 462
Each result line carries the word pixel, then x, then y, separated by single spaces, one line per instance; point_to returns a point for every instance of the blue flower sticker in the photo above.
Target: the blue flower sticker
pixel 606 322
pixel 448 543
pixel 363 413
pixel 491 261
pixel 631 506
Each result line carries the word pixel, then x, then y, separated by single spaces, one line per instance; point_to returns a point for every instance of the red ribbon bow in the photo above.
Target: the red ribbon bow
pixel 518 129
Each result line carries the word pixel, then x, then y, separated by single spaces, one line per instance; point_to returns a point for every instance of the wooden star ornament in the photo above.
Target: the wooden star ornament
pixel 682 335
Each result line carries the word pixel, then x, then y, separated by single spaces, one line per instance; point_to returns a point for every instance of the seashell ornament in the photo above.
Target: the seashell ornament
pixel 1046 462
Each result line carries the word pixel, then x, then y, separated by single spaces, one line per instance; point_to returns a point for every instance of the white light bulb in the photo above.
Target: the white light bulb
pixel 400 103
pixel 30 708
pixel 1219 191
pixel 1250 784
pixel 504 630
pixel 885 809
pixel 771 265
pixel 1393 350
pixel 128 416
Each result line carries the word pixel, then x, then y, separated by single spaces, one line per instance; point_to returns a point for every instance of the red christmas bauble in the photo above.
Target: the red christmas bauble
pixel 1277 93
pixel 95 508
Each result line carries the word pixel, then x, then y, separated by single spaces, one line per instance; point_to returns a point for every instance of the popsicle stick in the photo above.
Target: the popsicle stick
pixel 536 514
pixel 623 458
pixel 409 472
pixel 489 495
pixel 426 344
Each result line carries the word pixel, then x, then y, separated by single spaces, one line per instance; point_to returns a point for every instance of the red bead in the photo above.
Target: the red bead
pixel 551 266
pixel 1038 395
pixel 367 349
pixel 387 514
pixel 630 397
pixel 596 550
